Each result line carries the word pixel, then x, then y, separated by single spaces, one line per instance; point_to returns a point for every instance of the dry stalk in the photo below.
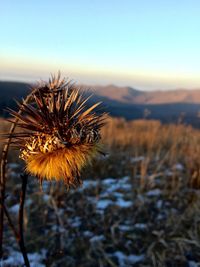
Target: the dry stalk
pixel 3 179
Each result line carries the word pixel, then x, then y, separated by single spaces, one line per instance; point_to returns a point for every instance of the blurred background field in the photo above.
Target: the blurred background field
pixel 138 205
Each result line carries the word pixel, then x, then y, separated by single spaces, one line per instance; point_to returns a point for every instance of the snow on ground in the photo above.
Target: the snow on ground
pixel 88 184
pixel 104 203
pixel 123 203
pixel 112 193
pixel 14 208
pixel 178 167
pixel 127 260
pixel 137 159
pixel 15 259
pixel 154 193
pixel 97 238
pixel 141 226
pixel 102 195
pixel 193 264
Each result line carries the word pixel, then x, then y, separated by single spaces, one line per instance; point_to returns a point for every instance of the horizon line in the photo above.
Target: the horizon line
pixel 32 81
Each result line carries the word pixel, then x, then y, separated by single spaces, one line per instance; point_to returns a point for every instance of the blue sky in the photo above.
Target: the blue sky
pixel 145 44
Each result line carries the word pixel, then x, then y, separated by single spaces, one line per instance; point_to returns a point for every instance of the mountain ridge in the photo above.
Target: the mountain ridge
pixel 127 102
pixel 135 96
pixel 125 94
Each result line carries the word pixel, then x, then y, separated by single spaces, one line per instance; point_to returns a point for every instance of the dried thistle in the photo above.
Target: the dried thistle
pixel 59 134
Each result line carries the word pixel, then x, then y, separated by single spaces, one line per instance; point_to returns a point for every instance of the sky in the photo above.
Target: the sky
pixel 145 44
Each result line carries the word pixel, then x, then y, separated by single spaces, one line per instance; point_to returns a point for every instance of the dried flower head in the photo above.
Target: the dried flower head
pixel 59 134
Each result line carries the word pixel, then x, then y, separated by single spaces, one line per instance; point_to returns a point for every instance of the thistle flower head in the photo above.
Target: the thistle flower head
pixel 59 135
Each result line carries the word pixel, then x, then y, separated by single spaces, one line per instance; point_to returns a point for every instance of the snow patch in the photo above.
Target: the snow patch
pixel 141 226
pixel 125 260
pixel 154 193
pixel 13 165
pixel 88 184
pixel 46 197
pixel 193 264
pixel 97 238
pixel 104 203
pixel 15 259
pixel 123 203
pixel 14 208
pixel 178 167
pixel 137 159
pixel 159 204
pixel 124 228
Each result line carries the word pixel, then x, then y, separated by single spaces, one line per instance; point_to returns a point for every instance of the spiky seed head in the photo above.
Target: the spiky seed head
pixel 59 133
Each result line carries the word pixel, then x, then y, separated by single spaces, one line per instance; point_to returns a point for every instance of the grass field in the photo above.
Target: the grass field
pixel 138 206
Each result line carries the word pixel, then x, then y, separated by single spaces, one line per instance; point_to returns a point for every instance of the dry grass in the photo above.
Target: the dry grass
pixel 149 209
pixel 162 146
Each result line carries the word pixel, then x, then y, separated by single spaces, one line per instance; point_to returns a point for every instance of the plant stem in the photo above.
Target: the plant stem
pixel 3 172
pixel 12 226
pixel 2 186
pixel 21 220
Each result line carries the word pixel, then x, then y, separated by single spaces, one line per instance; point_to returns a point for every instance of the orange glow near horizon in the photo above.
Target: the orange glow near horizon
pixel 24 69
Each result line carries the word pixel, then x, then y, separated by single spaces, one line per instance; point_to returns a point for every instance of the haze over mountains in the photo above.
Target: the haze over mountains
pixel 127 102
pixel 133 96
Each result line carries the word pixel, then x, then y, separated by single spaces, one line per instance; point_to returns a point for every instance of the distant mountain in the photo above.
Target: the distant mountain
pixel 10 91
pixel 121 94
pixel 134 96
pixel 127 102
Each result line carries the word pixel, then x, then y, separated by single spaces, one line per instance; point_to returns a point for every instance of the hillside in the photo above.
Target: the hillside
pixel 126 102
pixel 134 96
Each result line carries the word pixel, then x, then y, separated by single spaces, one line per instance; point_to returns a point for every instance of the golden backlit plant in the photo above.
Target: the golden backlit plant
pixel 59 132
